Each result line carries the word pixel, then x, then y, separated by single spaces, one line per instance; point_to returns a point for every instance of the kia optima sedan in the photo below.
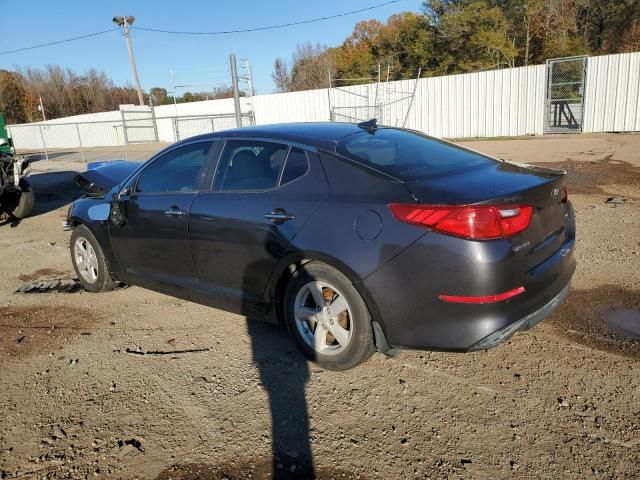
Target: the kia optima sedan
pixel 357 237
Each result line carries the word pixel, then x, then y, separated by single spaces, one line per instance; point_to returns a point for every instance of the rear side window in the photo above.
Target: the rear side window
pixel 408 155
pixel 250 165
pixel 176 171
pixel 296 166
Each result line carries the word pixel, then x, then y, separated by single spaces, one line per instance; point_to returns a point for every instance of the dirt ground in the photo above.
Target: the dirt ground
pixel 88 388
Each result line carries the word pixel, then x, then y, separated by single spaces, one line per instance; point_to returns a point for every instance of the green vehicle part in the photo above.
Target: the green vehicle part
pixel 7 147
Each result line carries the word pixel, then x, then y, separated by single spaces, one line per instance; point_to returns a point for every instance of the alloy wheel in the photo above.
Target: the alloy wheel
pixel 86 260
pixel 323 318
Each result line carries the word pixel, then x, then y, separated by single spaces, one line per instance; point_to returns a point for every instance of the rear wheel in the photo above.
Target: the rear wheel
pixel 327 317
pixel 26 200
pixel 89 262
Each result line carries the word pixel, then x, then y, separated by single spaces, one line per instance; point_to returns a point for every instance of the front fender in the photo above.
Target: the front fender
pixel 79 214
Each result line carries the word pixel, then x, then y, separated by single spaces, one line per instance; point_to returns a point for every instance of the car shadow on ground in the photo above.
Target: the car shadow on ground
pixel 53 190
pixel 284 373
pixel 283 370
pixel 35 157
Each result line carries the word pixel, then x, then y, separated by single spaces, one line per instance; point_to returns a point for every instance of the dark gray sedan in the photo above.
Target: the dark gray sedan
pixel 356 237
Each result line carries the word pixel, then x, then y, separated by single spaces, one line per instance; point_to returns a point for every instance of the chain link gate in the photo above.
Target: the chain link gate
pixel 389 101
pixel 139 125
pixel 565 94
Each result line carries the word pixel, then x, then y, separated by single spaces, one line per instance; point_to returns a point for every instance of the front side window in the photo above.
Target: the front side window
pixel 177 171
pixel 250 165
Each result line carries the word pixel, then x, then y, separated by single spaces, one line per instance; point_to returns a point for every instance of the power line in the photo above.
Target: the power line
pixel 270 27
pixel 59 41
pixel 221 32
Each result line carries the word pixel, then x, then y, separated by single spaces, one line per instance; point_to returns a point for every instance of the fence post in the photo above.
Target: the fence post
pixel 175 128
pixel 44 144
pixel 80 142
pixel 155 125
pixel 124 129
pixel 213 129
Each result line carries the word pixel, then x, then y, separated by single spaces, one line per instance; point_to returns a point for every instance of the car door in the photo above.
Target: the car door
pixel 152 243
pixel 263 193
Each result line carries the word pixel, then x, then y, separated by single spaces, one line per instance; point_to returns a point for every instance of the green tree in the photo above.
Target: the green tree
pixel 159 96
pixel 609 26
pixel 469 36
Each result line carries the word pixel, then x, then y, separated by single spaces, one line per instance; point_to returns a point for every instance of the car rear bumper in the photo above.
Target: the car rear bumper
pixel 525 323
pixel 406 292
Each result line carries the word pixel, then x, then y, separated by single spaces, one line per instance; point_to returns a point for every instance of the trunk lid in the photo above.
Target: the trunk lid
pixel 504 183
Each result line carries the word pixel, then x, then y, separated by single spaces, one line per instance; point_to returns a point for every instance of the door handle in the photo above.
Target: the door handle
pixel 279 216
pixel 174 212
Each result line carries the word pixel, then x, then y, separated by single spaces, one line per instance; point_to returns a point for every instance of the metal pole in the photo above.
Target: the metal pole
pixel 132 60
pixel 415 86
pixel 173 86
pixel 175 128
pixel 236 91
pixel 153 119
pixel 331 118
pixel 80 142
pixel 44 145
pixel 213 129
pixel 124 129
pixel 44 118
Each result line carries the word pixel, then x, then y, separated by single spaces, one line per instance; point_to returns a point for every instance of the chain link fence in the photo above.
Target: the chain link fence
pixel 114 139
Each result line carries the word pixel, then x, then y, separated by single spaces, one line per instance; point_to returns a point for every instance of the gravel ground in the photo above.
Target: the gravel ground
pixel 82 392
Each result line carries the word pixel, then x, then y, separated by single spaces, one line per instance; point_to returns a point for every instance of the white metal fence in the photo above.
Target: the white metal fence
pixel 507 102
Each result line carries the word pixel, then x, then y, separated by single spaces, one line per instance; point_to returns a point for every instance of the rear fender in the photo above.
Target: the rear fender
pixel 297 259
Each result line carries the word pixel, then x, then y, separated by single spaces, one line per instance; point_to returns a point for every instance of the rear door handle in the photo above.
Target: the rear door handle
pixel 279 216
pixel 174 212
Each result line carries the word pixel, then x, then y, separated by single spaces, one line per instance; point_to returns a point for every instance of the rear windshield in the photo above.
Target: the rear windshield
pixel 408 155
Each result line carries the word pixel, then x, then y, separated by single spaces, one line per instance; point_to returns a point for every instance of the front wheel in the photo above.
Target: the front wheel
pixel 89 262
pixel 327 317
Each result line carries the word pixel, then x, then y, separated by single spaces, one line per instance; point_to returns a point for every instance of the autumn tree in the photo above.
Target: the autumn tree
pixel 312 67
pixel 12 95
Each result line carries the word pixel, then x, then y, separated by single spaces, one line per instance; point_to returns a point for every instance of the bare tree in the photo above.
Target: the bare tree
pixel 312 66
pixel 281 76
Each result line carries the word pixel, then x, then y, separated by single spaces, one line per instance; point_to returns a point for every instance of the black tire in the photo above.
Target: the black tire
pixel 103 281
pixel 360 345
pixel 26 200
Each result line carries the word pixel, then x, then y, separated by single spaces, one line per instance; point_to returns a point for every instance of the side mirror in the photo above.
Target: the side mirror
pixel 125 192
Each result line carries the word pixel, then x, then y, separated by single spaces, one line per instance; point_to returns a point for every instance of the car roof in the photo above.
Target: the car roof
pixel 323 135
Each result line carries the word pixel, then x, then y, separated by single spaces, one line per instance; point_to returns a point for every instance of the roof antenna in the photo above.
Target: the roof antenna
pixel 370 125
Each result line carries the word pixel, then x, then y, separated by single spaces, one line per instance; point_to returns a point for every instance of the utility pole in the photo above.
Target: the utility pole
pixel 236 90
pixel 124 22
pixel 41 108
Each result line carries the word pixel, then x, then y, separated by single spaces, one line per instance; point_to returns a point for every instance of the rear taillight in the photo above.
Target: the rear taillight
pixel 477 222
pixel 565 196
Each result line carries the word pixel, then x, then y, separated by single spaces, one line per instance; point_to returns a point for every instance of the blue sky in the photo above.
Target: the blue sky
pixel 195 59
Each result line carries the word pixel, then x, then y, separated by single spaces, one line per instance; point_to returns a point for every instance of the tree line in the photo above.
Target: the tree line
pixel 459 36
pixel 65 93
